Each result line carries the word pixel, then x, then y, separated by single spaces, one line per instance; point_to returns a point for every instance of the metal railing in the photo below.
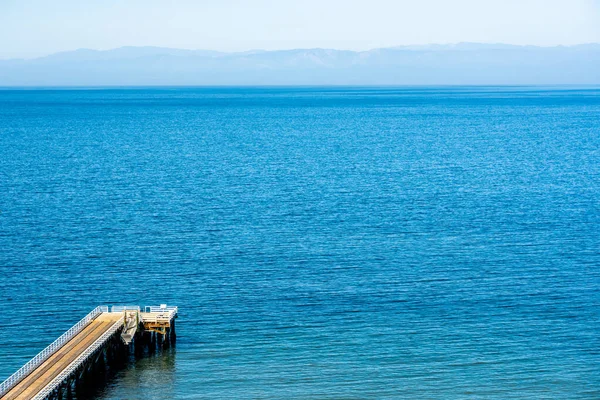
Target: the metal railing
pixel 48 351
pixel 160 308
pixel 162 313
pixel 78 361
pixel 123 308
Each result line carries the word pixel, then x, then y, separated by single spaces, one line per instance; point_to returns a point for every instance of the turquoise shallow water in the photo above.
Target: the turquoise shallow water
pixel 434 243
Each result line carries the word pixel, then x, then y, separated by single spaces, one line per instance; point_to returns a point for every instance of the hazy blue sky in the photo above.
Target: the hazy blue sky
pixel 36 27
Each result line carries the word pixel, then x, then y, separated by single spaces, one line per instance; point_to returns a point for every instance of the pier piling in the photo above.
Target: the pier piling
pixel 80 358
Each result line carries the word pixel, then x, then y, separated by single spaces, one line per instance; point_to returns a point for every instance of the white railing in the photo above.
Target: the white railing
pixel 160 308
pixel 48 351
pixel 56 382
pixel 161 313
pixel 116 309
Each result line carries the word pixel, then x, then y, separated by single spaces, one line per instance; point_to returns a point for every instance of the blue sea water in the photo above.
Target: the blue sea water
pixel 321 243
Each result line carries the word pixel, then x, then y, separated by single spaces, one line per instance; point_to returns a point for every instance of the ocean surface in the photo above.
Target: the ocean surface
pixel 321 243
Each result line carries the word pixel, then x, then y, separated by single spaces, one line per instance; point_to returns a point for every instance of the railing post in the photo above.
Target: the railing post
pixel 42 356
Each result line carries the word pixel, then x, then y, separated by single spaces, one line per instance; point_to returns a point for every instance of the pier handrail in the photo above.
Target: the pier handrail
pixel 123 308
pixel 160 309
pixel 48 351
pixel 165 313
pixel 78 361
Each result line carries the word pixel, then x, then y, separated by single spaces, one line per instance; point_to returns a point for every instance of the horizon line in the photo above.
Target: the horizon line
pixel 406 46
pixel 299 86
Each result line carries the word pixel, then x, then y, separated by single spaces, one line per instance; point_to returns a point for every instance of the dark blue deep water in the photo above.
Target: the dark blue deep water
pixel 409 243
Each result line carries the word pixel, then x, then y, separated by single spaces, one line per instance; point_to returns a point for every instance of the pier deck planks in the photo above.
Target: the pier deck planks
pixel 61 359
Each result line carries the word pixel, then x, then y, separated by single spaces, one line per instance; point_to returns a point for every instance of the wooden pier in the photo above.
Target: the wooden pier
pixel 104 338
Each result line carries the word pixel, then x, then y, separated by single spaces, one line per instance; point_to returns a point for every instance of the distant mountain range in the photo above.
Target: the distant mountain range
pixel 457 64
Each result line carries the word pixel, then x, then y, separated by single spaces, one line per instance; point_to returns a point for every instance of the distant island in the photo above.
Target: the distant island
pixel 456 64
